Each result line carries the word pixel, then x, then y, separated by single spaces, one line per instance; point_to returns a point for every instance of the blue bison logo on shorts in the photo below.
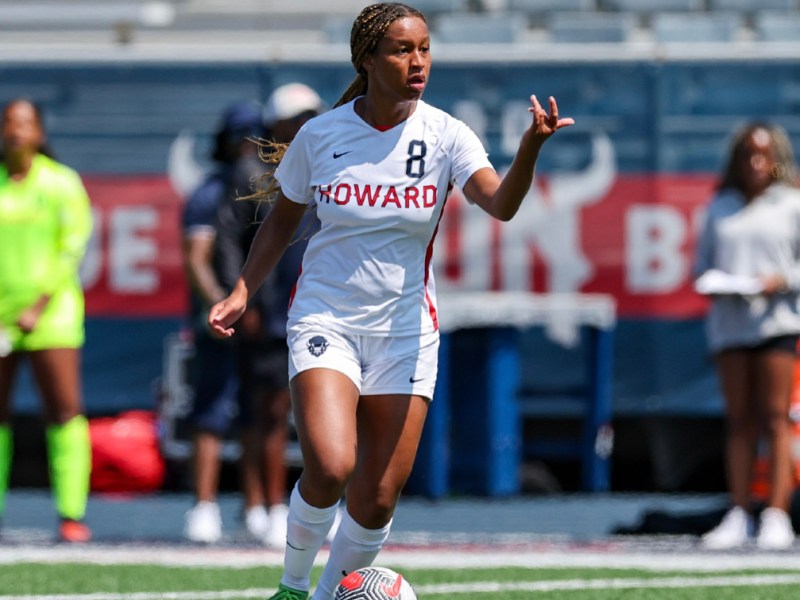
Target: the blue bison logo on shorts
pixel 317 345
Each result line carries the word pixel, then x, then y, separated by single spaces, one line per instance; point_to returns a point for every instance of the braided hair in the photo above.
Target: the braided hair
pixel 785 169
pixel 368 30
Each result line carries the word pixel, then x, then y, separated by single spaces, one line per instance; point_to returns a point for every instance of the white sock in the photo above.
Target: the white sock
pixel 307 527
pixel 353 547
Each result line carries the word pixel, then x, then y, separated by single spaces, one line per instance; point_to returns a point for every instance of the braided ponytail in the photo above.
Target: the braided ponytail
pixel 368 30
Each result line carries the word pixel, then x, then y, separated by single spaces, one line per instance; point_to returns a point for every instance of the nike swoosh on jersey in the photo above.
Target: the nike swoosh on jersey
pixel 412 380
pixel 340 154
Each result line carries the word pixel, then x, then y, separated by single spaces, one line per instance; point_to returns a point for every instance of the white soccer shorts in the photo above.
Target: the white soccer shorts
pixel 376 364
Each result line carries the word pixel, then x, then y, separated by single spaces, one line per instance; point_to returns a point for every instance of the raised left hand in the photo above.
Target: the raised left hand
pixel 545 125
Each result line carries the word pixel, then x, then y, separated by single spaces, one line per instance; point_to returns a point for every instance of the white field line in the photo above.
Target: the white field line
pixel 222 595
pixel 606 584
pixel 464 588
pixel 453 557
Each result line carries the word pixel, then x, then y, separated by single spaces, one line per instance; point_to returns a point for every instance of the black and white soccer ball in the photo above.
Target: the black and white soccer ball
pixel 374 583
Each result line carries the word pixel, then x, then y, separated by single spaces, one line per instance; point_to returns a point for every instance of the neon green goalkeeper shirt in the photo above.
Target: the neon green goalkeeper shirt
pixel 45 224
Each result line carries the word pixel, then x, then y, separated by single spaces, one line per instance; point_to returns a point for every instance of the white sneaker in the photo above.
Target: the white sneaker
pixel 775 530
pixel 276 533
pixel 732 532
pixel 256 522
pixel 334 527
pixel 203 523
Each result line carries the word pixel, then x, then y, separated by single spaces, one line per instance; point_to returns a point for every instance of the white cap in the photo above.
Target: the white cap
pixel 290 100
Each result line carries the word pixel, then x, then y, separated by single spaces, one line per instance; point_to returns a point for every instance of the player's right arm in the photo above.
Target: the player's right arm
pixel 269 244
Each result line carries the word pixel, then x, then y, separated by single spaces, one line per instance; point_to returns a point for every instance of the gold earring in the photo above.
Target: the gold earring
pixel 778 171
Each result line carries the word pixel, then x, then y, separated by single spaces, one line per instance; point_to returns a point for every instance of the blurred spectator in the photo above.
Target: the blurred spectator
pixel 261 340
pixel 748 264
pixel 45 225
pixel 218 398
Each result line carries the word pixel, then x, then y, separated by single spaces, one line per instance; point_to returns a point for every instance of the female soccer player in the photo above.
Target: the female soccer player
pixel 363 327
pixel 45 224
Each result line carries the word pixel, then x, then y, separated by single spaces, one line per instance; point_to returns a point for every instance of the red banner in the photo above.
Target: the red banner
pixel 653 224
pixel 133 266
pixel 633 239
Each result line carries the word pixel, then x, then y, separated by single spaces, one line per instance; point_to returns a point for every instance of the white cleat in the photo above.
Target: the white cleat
pixel 732 532
pixel 203 523
pixel 256 522
pixel 775 530
pixel 275 536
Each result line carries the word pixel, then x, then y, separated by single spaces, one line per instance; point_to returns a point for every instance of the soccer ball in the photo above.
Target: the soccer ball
pixel 374 583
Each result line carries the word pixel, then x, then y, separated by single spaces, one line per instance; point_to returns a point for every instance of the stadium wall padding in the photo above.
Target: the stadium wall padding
pixel 614 209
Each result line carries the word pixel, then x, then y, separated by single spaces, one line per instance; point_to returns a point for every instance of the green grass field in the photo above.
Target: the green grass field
pixel 79 581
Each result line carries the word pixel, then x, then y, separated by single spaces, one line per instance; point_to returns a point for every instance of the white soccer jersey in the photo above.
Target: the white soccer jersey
pixel 379 197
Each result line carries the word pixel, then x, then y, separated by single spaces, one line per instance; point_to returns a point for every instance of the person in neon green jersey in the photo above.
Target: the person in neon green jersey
pixel 45 224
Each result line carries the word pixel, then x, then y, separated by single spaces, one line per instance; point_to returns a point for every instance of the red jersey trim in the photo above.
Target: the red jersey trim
pixel 294 287
pixel 428 257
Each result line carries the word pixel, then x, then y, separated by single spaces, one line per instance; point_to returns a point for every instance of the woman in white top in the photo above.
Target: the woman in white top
pixel 363 328
pixel 752 236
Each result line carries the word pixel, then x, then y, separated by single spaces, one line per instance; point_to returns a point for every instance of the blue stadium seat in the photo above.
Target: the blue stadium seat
pixel 686 28
pixel 777 27
pixel 480 28
pixel 337 29
pixel 436 7
pixel 536 7
pixel 591 27
pixel 749 6
pixel 83 14
pixel 652 6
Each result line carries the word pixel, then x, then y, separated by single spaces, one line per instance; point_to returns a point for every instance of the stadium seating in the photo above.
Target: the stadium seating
pixel 777 27
pixel 689 28
pixel 337 30
pixel 86 14
pixel 431 8
pixel 536 10
pixel 591 27
pixel 652 6
pixel 181 22
pixel 307 7
pixel 749 6
pixel 477 28
pixel 539 6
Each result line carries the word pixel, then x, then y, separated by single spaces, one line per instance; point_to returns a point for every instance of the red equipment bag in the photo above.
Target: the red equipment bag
pixel 125 453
